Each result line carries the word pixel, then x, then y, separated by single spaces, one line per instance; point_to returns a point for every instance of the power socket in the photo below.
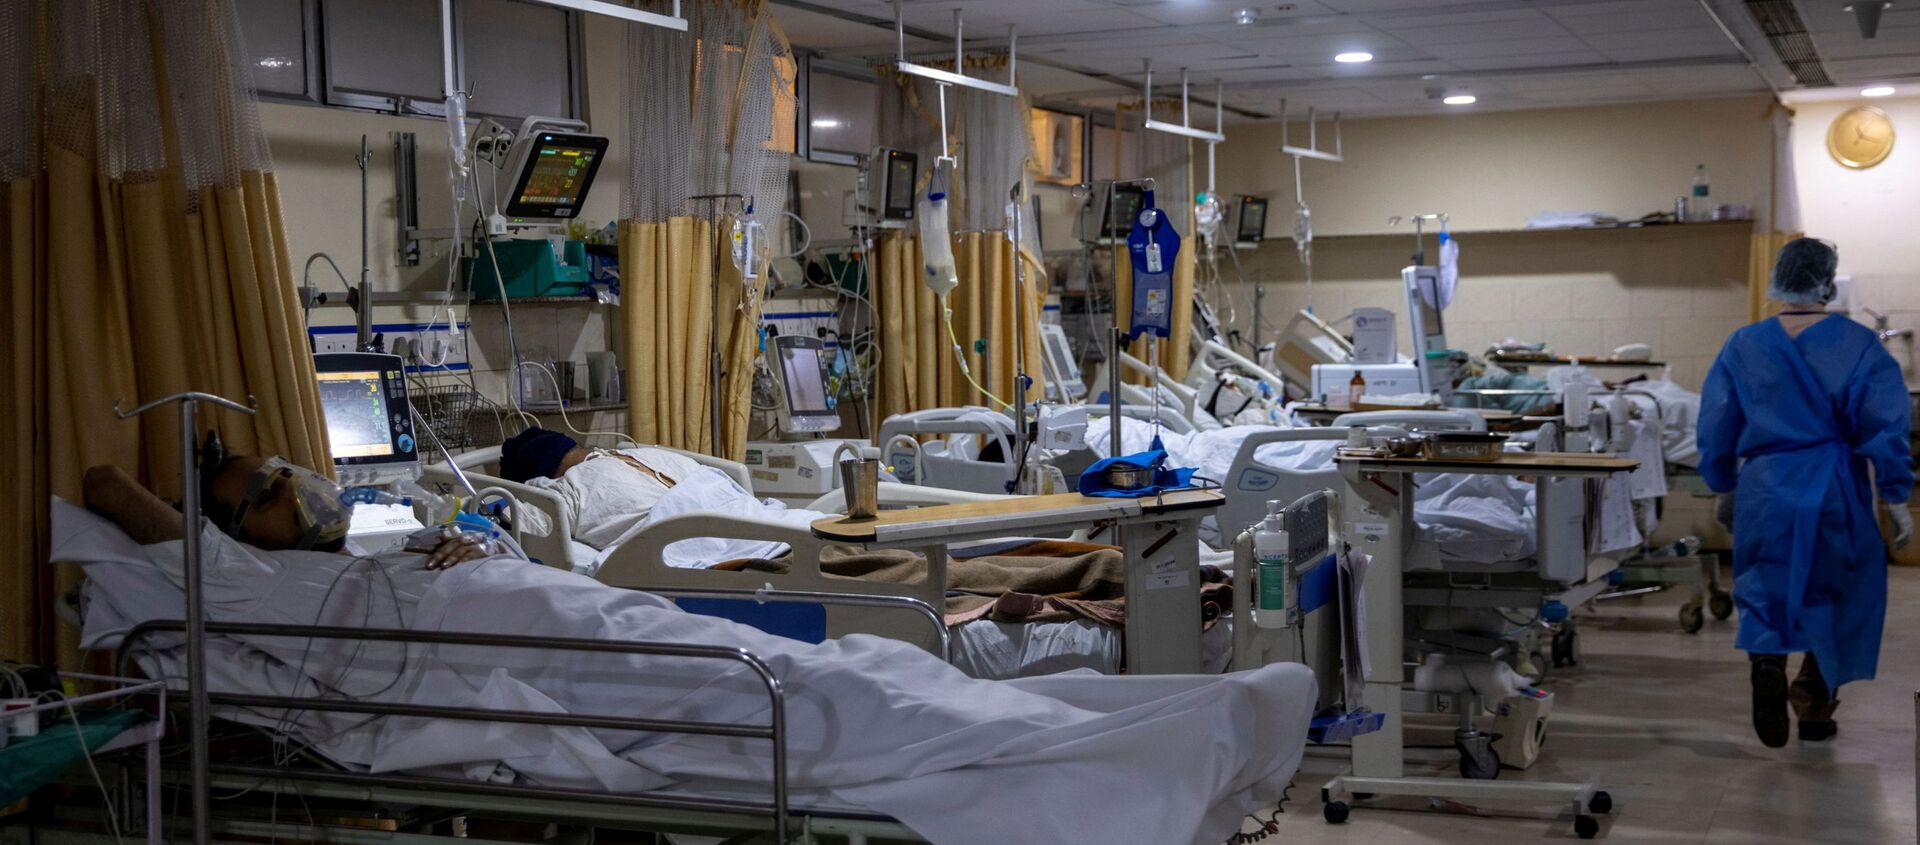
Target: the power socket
pixel 417 344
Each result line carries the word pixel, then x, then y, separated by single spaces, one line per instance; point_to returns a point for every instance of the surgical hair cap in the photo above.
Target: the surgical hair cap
pixel 1803 274
pixel 534 453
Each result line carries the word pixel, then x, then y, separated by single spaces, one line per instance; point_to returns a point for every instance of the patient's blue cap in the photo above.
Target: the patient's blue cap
pixel 534 453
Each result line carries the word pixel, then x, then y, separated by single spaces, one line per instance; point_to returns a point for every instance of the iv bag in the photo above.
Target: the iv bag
pixel 1303 233
pixel 1449 271
pixel 748 241
pixel 1206 218
pixel 457 166
pixel 937 269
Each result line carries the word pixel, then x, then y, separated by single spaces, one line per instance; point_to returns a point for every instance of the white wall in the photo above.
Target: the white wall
pixel 1868 214
pixel 1493 170
pixel 1679 289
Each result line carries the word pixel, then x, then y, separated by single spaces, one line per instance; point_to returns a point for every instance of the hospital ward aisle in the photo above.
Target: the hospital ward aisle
pixel 1662 718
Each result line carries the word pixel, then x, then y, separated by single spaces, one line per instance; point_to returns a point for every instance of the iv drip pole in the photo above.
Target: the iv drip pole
pixel 958 76
pixel 1311 150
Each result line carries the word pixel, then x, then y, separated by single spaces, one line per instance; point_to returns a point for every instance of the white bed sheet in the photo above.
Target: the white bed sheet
pixel 875 724
pixel 1473 518
pixel 984 648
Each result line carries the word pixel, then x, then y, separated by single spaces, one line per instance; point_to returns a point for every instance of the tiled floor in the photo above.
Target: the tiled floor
pixel 1662 718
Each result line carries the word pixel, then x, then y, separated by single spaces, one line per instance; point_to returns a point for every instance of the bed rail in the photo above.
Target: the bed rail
pixel 775 731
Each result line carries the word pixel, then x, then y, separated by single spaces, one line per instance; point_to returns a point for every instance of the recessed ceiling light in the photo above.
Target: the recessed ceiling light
pixel 1353 58
pixel 1246 17
pixel 1461 100
pixel 1877 91
pixel 1429 77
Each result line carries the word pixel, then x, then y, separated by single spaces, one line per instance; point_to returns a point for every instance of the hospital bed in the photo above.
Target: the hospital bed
pixel 981 647
pixel 1229 384
pixel 1561 573
pixel 556 547
pixel 971 448
pixel 421 800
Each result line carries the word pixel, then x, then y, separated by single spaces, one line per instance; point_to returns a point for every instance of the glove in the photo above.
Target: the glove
pixel 1902 520
pixel 1723 510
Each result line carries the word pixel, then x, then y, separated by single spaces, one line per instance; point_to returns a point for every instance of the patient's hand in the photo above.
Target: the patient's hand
pixel 458 549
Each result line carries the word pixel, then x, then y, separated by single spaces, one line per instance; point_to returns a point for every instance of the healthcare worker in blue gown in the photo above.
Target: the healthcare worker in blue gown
pixel 1803 419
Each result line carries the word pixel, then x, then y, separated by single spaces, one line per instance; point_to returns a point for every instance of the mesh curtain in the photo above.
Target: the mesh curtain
pixel 145 255
pixel 916 369
pixel 1168 161
pixel 987 133
pixel 710 112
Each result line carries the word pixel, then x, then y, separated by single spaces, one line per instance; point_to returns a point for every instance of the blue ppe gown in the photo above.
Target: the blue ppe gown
pixel 1790 426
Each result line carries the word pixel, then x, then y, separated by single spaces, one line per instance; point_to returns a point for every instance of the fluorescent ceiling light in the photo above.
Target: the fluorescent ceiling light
pixel 826 123
pixel 1461 100
pixel 1877 91
pixel 278 62
pixel 1353 58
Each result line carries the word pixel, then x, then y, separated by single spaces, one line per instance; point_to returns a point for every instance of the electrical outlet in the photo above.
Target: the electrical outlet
pixel 418 344
pixel 423 346
pixel 331 341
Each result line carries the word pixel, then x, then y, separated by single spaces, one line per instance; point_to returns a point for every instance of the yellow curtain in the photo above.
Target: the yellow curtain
pixel 667 300
pixel 917 370
pixel 984 308
pixel 1766 245
pixel 711 133
pixel 125 286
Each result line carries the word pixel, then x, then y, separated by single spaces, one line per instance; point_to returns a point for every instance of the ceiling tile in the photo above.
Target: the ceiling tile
pixel 1487 50
pixel 1539 27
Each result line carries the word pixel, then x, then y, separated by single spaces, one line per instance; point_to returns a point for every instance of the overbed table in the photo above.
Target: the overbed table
pixel 1159 534
pixel 1377 518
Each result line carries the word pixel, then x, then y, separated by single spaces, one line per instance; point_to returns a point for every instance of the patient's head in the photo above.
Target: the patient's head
pixel 273 504
pixel 539 453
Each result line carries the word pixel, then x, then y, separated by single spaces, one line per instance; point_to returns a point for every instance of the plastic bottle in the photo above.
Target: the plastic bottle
pixel 1356 388
pixel 1619 416
pixel 1270 553
pixel 1699 204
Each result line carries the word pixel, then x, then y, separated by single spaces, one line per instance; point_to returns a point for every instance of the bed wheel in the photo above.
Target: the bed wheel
pixel 1721 603
pixel 1692 617
pixel 1586 827
pixel 1336 812
pixel 1566 648
pixel 1478 760
pixel 1600 804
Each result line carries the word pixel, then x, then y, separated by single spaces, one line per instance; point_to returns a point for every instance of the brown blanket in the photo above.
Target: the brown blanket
pixel 1042 581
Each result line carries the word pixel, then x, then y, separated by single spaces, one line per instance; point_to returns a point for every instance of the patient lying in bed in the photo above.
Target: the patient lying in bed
pixel 875 725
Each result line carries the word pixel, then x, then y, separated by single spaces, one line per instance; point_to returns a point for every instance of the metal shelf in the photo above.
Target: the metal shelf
pixel 575 408
pixel 543 300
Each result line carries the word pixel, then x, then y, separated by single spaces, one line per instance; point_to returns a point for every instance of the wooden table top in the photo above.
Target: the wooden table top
pixel 1015 512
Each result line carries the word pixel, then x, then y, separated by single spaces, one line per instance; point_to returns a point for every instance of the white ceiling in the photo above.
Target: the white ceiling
pixel 1508 53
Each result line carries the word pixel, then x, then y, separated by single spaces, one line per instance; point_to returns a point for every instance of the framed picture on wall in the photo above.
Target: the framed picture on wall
pixel 1059 146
